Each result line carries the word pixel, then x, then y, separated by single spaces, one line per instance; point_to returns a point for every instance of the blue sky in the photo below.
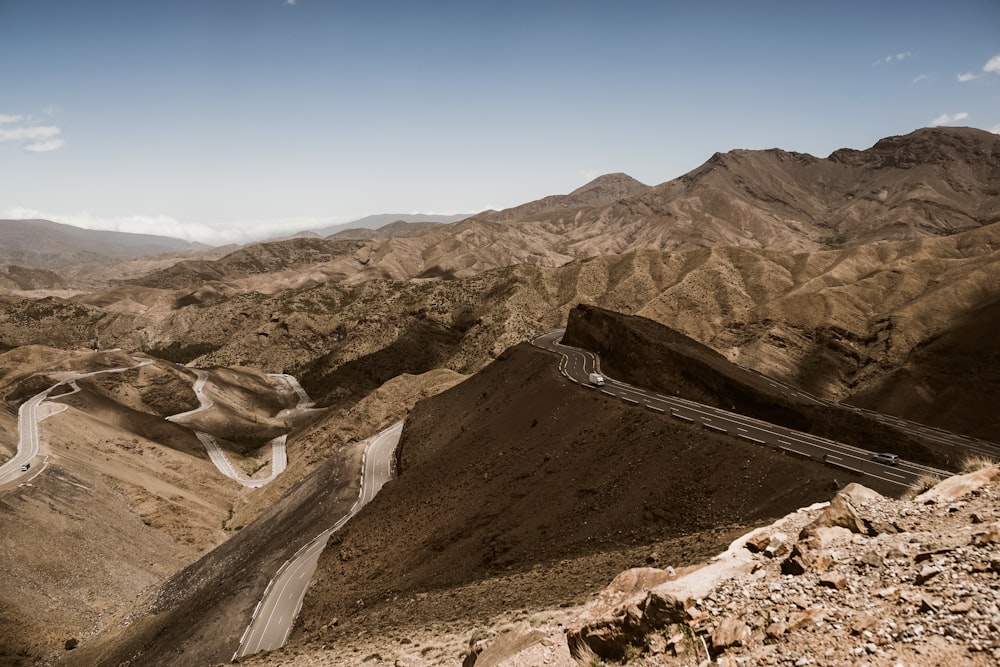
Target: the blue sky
pixel 227 120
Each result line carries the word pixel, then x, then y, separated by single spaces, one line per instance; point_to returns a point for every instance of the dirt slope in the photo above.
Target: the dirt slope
pixel 528 489
pixel 196 616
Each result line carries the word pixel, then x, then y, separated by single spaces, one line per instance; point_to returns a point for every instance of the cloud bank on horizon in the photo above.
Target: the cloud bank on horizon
pixel 278 113
pixel 217 234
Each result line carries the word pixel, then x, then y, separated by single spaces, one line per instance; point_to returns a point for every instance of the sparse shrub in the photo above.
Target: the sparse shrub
pixel 920 485
pixel 632 652
pixel 71 643
pixel 833 242
pixel 477 635
pixel 974 463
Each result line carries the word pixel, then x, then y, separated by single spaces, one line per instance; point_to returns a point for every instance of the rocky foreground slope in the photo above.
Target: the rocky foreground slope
pixel 861 580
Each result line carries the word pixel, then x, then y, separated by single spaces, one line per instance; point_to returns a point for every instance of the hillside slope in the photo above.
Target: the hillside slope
pixel 831 322
pixel 528 489
pixel 931 182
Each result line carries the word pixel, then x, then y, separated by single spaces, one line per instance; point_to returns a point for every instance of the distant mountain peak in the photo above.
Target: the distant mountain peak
pixel 602 191
pixel 618 184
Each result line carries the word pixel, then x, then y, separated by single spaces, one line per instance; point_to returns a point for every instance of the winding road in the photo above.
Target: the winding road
pixel 282 600
pixel 279 454
pixel 34 410
pixel 576 364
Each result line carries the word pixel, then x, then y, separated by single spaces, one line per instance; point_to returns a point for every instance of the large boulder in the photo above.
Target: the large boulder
pixel 843 511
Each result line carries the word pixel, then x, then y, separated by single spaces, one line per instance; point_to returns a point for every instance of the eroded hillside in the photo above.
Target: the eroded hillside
pixel 832 322
pixel 518 488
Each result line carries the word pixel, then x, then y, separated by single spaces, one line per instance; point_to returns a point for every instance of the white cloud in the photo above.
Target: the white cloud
pixel 993 65
pixel 995 129
pixel 948 119
pixel 290 2
pixel 45 145
pixel 920 78
pixel 966 76
pixel 893 58
pixel 222 233
pixel 35 138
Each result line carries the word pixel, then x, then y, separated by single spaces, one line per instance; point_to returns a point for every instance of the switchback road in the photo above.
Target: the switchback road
pixel 279 455
pixel 576 364
pixel 277 610
pixel 30 413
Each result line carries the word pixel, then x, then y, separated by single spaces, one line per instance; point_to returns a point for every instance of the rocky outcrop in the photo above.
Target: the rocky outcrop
pixel 875 580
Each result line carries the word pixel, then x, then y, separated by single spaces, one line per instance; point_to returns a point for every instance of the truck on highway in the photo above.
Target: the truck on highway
pixel 596 379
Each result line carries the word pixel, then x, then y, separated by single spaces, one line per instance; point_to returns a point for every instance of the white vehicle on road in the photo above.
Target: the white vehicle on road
pixel 596 379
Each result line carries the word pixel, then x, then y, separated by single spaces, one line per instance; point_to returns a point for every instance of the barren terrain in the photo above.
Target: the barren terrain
pixel 868 277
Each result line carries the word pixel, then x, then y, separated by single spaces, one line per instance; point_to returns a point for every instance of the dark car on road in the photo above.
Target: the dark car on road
pixel 25 467
pixel 886 458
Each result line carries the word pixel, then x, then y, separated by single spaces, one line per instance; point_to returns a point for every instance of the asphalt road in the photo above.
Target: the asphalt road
pixel 277 610
pixel 29 415
pixel 279 456
pixel 576 364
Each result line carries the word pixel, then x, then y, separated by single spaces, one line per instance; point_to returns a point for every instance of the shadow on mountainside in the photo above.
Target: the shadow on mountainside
pixel 422 346
pixel 950 382
pixel 644 353
pixel 534 491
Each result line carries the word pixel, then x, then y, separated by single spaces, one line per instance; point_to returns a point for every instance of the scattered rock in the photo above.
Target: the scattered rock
pixel 926 574
pixel 795 564
pixel 656 644
pixel 834 580
pixel 871 558
pixel 989 535
pixel 731 631
pixel 929 604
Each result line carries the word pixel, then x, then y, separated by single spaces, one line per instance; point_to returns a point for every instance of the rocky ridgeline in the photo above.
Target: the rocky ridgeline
pixel 863 579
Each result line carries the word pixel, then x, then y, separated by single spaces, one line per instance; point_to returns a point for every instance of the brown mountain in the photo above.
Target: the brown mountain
pixel 931 182
pixel 50 245
pixel 601 191
pixel 727 255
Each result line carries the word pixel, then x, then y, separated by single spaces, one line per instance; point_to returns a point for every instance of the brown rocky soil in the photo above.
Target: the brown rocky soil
pixel 900 322
pixel 190 619
pixel 519 489
pixel 911 582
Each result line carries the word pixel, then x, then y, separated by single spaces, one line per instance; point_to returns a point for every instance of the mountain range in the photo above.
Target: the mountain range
pixel 869 278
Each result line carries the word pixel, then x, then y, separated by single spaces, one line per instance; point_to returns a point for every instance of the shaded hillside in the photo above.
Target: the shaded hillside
pixel 950 381
pixel 40 244
pixel 538 491
pixel 21 278
pixel 647 354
